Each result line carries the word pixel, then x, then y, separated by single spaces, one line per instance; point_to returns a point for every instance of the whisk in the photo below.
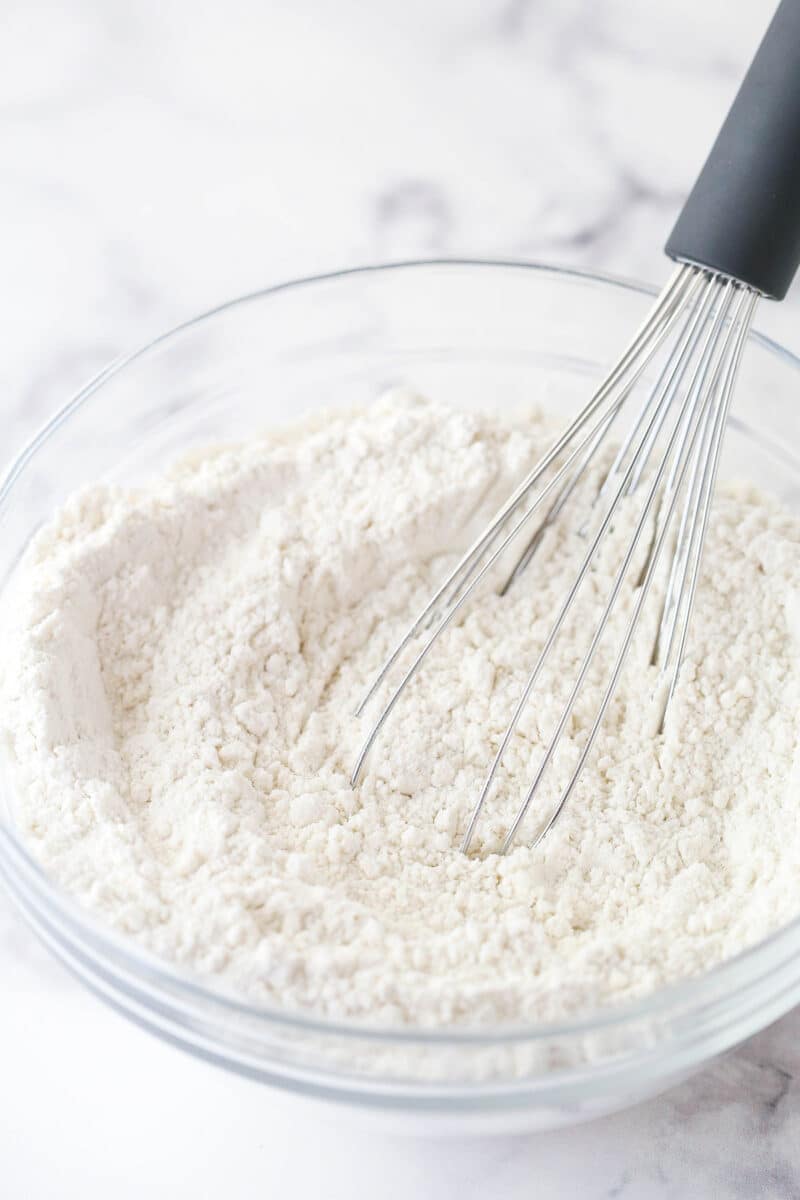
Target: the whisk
pixel 737 239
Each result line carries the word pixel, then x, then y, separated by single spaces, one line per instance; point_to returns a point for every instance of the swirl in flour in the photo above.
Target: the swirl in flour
pixel 178 695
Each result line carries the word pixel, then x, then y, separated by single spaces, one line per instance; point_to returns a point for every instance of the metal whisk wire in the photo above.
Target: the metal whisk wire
pixel 468 573
pixel 694 423
pixel 701 365
pixel 738 238
pixel 642 347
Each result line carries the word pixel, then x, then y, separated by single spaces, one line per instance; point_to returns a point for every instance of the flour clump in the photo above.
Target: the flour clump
pixel 181 666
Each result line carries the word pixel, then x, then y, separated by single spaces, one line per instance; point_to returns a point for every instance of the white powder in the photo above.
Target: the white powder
pixel 178 696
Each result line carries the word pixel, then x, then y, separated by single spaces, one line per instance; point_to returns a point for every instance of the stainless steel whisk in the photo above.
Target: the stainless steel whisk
pixel 736 239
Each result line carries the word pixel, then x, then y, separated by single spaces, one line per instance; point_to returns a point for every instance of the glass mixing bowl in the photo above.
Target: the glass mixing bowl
pixel 472 333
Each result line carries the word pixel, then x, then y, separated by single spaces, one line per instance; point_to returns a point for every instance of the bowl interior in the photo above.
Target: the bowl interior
pixel 476 335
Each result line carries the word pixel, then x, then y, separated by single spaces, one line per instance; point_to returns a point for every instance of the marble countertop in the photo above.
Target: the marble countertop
pixel 159 157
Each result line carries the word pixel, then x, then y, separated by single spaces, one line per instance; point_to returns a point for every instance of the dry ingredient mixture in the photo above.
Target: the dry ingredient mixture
pixel 178 692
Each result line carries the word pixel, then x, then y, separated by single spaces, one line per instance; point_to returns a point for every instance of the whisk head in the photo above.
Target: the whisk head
pixel 696 330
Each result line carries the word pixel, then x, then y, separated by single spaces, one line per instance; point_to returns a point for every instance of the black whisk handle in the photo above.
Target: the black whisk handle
pixel 742 217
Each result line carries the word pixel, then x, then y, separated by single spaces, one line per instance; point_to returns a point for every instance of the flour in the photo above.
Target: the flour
pixel 180 679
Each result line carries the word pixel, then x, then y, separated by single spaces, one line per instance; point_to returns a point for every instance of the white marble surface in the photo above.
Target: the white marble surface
pixel 156 158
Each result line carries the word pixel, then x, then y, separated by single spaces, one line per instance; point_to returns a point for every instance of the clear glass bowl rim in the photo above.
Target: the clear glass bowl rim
pixel 747 968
